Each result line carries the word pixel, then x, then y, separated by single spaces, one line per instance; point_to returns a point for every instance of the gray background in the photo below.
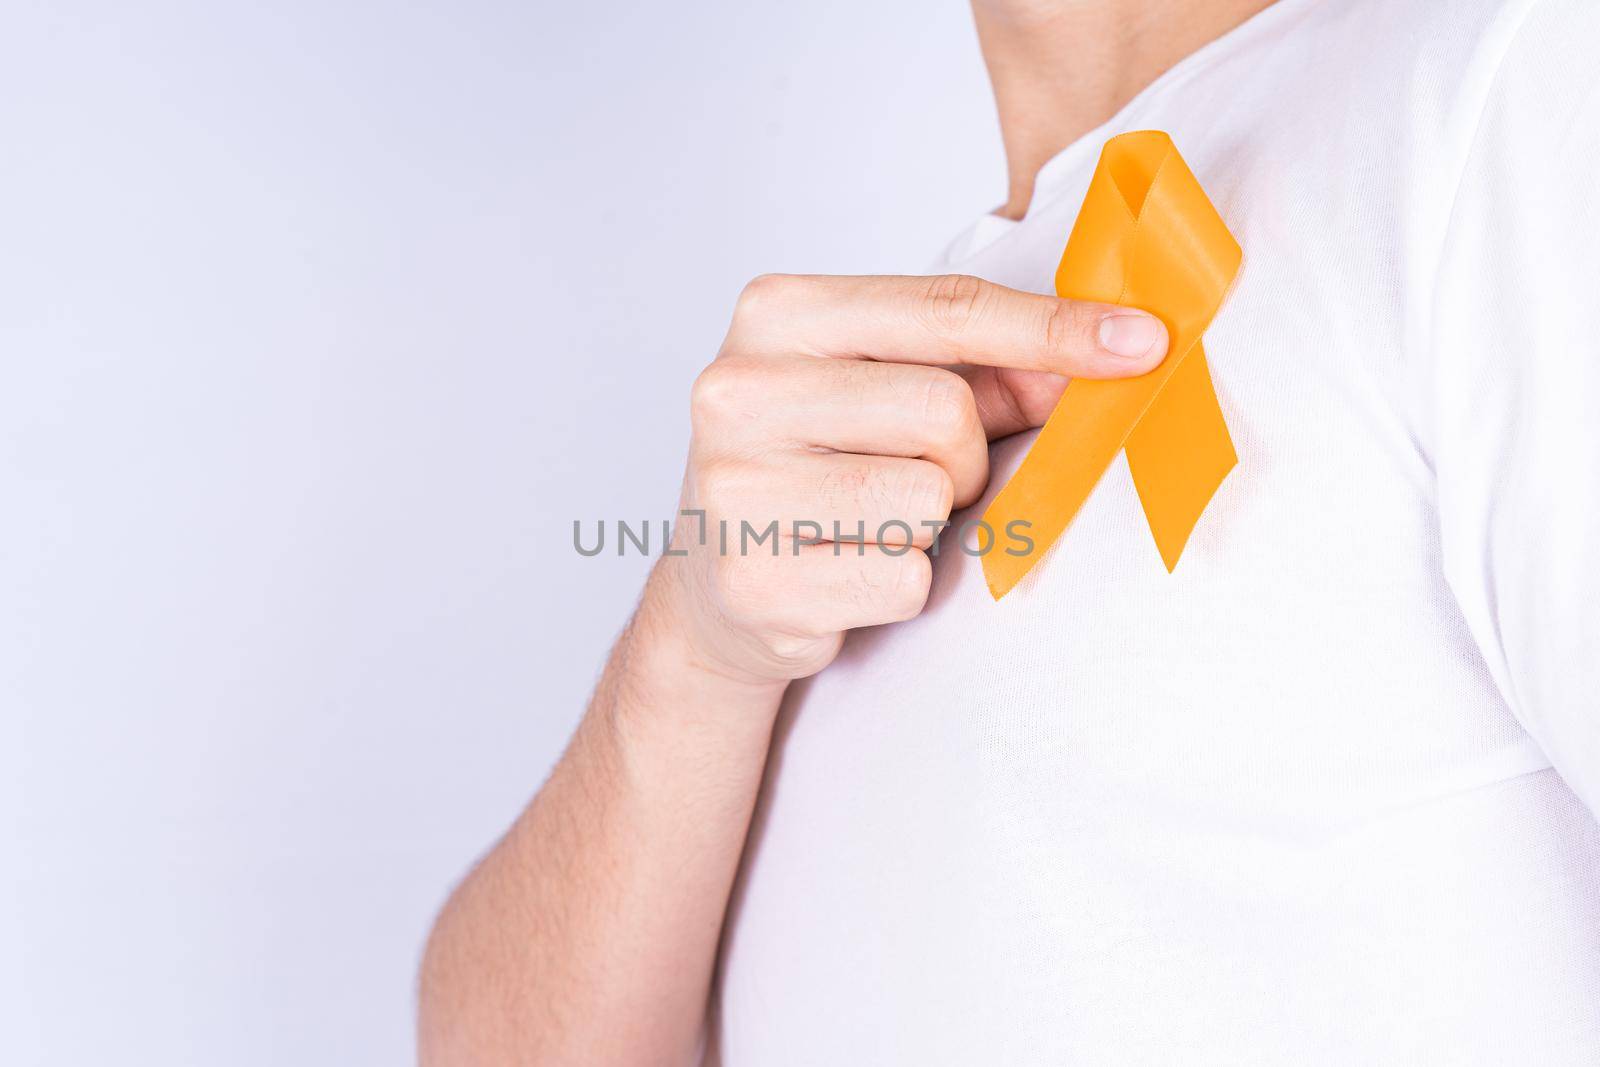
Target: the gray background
pixel 319 324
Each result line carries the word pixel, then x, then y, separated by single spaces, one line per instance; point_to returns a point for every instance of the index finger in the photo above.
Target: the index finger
pixel 946 319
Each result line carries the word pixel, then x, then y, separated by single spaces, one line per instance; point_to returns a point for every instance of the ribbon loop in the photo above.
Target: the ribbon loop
pixel 1146 237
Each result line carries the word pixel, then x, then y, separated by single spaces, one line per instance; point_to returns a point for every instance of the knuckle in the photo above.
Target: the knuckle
pixel 709 394
pixel 1064 326
pixel 952 302
pixel 906 586
pixel 949 408
pixel 800 655
pixel 719 484
pixel 926 489
pixel 760 294
pixel 883 584
pixel 786 647
pixel 741 587
pixel 790 647
pixel 721 390
pixel 916 580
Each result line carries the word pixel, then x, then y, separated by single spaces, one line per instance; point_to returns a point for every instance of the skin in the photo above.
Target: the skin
pixel 588 935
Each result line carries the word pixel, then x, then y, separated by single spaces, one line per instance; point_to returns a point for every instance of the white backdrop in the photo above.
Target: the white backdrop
pixel 319 324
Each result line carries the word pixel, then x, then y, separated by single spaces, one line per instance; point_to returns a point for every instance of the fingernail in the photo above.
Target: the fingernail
pixel 1132 335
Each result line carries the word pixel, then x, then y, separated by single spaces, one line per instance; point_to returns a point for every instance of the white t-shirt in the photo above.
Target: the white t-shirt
pixel 1325 794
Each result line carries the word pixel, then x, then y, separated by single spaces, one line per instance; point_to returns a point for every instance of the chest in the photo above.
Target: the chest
pixel 1307 642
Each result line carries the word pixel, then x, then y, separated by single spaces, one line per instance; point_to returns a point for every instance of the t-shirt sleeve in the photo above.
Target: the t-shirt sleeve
pixel 1514 385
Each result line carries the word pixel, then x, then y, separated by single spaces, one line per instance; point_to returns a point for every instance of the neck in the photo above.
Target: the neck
pixel 1062 67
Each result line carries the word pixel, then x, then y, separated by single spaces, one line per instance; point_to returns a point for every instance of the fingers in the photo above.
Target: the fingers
pixel 751 405
pixel 948 319
pixel 822 590
pixel 876 500
pixel 1010 401
pixel 859 410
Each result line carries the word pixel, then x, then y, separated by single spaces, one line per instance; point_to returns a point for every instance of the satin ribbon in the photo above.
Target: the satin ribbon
pixel 1146 237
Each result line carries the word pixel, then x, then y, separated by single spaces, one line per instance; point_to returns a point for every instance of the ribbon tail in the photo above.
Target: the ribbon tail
pixel 1179 454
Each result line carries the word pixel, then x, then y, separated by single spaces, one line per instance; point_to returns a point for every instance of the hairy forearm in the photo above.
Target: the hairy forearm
pixel 588 935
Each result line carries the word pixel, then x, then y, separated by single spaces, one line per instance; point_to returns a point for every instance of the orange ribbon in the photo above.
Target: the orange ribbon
pixel 1146 237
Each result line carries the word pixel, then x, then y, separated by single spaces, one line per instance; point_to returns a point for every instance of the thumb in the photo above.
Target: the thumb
pixel 1010 401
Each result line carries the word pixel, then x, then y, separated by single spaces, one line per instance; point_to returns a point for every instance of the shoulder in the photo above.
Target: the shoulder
pixel 1474 50
pixel 1535 119
pixel 1458 48
pixel 1428 65
pixel 1550 64
pixel 1503 112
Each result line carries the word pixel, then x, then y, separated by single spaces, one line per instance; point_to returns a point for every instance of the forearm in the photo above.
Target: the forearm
pixel 588 935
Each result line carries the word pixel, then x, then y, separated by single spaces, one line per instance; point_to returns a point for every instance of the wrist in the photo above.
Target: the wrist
pixel 665 709
pixel 661 671
pixel 667 644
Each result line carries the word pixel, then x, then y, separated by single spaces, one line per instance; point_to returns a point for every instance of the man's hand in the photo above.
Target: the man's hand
pixel 589 934
pixel 858 408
